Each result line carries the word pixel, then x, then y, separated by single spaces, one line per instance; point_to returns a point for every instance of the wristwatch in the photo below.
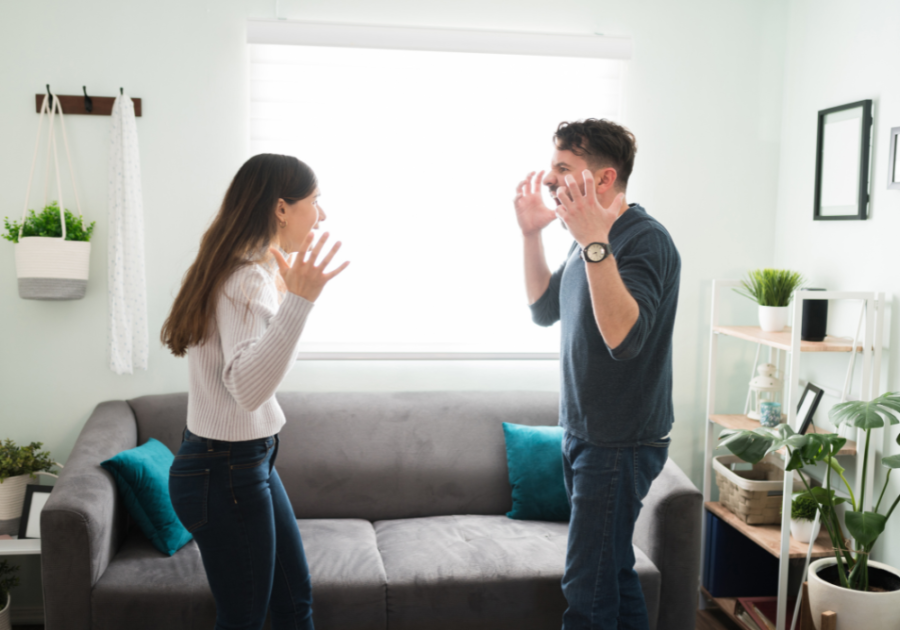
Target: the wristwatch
pixel 595 252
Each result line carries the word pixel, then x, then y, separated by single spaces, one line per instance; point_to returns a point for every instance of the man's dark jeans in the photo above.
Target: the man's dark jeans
pixel 606 486
pixel 229 496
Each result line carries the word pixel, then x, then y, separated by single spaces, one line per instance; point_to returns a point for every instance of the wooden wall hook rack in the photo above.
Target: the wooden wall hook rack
pixel 76 104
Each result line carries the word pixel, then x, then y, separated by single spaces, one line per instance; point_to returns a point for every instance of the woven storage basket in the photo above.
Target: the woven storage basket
pixel 753 495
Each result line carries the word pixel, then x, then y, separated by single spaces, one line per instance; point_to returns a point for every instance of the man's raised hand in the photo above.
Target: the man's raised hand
pixel 531 212
pixel 586 218
pixel 304 277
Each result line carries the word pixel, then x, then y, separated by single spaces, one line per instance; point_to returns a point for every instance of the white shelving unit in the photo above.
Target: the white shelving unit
pixel 785 351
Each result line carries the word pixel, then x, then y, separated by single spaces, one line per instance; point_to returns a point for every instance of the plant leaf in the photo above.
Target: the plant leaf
pixel 865 527
pixel 750 446
pixel 892 461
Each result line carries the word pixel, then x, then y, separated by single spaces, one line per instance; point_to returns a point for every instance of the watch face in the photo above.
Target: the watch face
pixel 596 251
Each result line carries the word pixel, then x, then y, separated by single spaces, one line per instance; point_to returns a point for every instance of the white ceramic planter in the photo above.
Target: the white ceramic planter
pixel 773 318
pixel 12 499
pixel 51 268
pixel 855 609
pixel 803 531
pixel 5 623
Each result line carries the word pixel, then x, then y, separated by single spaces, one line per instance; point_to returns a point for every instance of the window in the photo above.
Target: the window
pixel 418 153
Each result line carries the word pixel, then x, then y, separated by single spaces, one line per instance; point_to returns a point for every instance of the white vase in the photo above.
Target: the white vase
pixel 773 318
pixel 12 499
pixel 802 530
pixel 855 609
pixel 5 623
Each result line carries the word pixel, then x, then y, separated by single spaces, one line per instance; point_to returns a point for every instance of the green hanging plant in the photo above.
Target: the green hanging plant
pixel 47 224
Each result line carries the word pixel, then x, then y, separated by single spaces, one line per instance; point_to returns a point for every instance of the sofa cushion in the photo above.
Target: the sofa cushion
pixel 486 572
pixel 144 589
pixel 535 461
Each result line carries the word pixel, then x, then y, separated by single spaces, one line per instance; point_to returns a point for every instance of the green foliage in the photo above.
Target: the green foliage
pixel 47 224
pixel 23 460
pixel 809 450
pixel 804 507
pixel 770 287
pixel 8 581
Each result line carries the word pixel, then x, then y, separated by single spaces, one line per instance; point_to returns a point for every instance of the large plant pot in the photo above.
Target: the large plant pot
pixel 12 499
pixel 51 268
pixel 803 531
pixel 773 318
pixel 5 623
pixel 855 609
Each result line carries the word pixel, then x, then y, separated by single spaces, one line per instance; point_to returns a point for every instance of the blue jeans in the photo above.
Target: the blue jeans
pixel 605 487
pixel 229 496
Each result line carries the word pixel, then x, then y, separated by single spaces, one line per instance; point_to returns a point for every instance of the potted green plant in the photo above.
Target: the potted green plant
pixel 803 514
pixel 849 584
pixel 8 581
pixel 772 290
pixel 19 466
pixel 52 253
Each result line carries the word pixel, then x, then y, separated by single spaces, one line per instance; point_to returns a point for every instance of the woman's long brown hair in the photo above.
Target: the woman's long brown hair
pixel 239 235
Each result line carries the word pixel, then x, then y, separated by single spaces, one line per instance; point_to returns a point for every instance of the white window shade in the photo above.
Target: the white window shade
pixel 418 154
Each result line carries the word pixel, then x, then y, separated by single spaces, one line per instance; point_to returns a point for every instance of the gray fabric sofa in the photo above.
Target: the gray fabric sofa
pixel 400 499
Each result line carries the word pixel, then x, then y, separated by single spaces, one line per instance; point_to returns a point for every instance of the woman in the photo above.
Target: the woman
pixel 238 316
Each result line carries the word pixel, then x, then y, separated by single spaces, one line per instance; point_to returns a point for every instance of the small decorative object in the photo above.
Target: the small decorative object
pixel 894 163
pixel 803 515
pixel 8 581
pixel 806 409
pixel 770 414
pixel 849 583
pixel 19 467
pixel 765 387
pixel 35 498
pixel 772 290
pixel 52 260
pixel 842 162
pixel 815 319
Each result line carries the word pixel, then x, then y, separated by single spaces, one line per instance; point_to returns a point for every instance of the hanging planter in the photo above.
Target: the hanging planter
pixel 52 248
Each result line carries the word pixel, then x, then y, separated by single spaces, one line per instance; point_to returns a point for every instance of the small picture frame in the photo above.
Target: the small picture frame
pixel 894 163
pixel 35 498
pixel 809 401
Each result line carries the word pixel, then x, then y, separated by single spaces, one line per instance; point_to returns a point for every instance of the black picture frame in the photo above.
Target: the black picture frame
pixel 815 395
pixel 893 165
pixel 32 509
pixel 862 202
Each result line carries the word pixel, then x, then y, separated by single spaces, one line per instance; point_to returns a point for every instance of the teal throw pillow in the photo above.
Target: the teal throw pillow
pixel 534 458
pixel 142 476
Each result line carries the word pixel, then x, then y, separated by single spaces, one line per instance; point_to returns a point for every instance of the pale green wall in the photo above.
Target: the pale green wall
pixel 703 96
pixel 837 56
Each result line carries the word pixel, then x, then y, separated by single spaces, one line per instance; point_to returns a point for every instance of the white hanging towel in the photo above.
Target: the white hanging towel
pixel 128 340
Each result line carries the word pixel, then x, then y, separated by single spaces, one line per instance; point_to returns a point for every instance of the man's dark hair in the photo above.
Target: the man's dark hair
pixel 602 143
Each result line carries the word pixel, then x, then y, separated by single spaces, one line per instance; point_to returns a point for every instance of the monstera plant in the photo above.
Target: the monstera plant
pixel 865 526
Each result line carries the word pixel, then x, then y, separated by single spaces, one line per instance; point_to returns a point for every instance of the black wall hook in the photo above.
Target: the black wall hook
pixel 88 103
pixel 121 91
pixel 50 97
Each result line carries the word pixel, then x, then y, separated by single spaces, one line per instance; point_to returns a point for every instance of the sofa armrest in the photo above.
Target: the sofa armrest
pixel 83 521
pixel 668 531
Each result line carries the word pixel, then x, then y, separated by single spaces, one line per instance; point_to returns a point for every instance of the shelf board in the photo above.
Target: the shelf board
pixel 24 547
pixel 726 605
pixel 740 422
pixel 769 536
pixel 782 340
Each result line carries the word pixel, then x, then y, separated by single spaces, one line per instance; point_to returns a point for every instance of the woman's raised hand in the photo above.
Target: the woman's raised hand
pixel 304 277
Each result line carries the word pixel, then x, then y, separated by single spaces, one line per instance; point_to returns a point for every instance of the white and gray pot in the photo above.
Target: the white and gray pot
pixel 803 531
pixel 773 318
pixel 12 499
pixel 5 623
pixel 855 609
pixel 52 268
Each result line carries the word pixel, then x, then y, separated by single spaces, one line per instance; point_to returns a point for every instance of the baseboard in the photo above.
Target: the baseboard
pixel 21 616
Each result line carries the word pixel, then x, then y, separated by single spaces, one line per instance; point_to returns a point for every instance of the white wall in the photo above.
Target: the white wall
pixel 703 98
pixel 837 56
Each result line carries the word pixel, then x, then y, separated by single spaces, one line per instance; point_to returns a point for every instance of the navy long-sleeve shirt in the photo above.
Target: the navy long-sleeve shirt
pixel 618 396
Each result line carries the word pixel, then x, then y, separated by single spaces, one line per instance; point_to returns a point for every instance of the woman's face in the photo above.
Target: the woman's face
pixel 296 220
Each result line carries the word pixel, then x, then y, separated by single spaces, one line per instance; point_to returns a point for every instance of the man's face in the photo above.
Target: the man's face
pixel 564 163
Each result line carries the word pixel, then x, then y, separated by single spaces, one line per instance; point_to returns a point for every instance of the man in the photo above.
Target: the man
pixel 616 296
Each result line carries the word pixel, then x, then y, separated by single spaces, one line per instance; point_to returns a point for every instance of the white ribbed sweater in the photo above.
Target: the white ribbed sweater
pixel 234 373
